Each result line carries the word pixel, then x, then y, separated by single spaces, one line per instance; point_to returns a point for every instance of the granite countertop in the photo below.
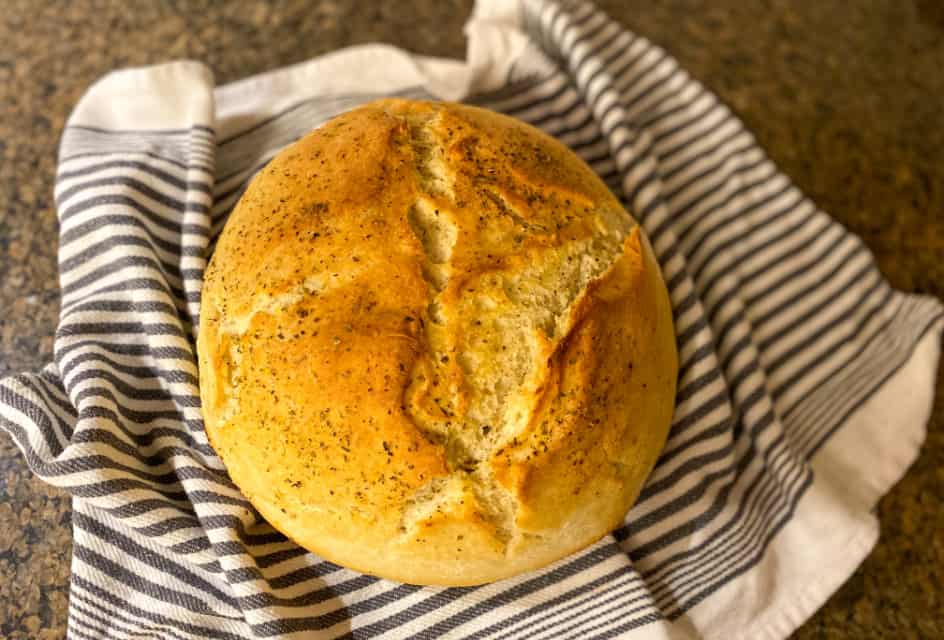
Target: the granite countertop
pixel 846 97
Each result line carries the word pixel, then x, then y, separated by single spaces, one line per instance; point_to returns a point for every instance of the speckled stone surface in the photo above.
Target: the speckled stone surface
pixel 848 98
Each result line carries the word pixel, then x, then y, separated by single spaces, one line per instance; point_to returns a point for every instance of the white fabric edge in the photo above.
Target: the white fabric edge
pixel 842 556
pixel 859 464
pixel 371 69
pixel 172 95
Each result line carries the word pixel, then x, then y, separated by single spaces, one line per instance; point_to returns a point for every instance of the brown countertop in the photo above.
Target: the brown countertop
pixel 847 98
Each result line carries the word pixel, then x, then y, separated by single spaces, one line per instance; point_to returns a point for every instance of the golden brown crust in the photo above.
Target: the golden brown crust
pixel 433 347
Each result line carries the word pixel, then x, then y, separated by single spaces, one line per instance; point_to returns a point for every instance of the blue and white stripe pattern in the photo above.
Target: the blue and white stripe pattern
pixel 787 334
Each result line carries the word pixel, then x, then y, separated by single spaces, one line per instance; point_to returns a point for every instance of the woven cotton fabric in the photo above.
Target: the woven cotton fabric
pixel 805 380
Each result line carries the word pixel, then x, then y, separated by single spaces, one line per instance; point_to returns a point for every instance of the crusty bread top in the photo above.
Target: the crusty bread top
pixel 434 347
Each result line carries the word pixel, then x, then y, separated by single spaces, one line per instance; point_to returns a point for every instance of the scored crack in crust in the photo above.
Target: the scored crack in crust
pixel 506 310
pixel 434 347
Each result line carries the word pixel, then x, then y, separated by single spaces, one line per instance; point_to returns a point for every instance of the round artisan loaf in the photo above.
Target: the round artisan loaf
pixel 434 347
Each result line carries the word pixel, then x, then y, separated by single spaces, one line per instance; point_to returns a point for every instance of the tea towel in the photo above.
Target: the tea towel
pixel 804 387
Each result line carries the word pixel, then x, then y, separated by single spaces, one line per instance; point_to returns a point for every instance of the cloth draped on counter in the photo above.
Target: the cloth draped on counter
pixel 804 387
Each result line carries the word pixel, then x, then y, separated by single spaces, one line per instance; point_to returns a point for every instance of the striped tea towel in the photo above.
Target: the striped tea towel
pixel 804 388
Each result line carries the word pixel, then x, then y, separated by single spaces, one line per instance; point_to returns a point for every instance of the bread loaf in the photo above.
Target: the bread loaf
pixel 433 346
